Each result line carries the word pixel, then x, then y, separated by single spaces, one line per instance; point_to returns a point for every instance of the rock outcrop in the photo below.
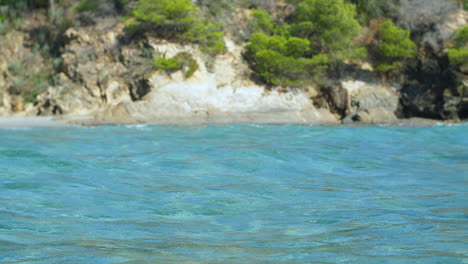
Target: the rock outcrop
pixel 91 76
pixel 222 94
pixel 23 73
pixel 103 75
pixel 433 88
pixel 370 102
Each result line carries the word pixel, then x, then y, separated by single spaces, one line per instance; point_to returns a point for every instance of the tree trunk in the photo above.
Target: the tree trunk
pixel 52 7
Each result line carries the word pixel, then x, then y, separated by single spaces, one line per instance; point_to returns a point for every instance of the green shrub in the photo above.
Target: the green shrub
pixel 279 69
pixel 298 53
pixel 27 83
pixel 285 61
pixel 297 47
pixel 461 38
pixel 40 82
pixel 182 61
pixel 208 35
pixel 166 15
pixel 458 55
pixel 262 22
pixel 87 6
pixel 261 41
pixel 394 47
pixel 293 47
pixel 171 64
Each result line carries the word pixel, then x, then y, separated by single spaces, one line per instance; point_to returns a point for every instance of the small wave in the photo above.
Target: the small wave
pixel 463 124
pixel 138 126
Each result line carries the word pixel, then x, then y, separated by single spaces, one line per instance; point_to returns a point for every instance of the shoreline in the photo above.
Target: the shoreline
pixel 21 122
pixel 18 122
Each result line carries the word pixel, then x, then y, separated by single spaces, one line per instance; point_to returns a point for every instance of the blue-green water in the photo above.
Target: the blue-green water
pixel 234 194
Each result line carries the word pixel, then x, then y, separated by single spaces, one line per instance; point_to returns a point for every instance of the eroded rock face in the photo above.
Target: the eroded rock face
pixel 101 76
pixel 435 93
pixel 433 88
pixel 92 75
pixel 370 102
pixel 217 94
pixel 443 31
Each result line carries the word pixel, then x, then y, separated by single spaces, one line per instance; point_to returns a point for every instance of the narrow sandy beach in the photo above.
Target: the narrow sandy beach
pixel 27 122
pixel 49 121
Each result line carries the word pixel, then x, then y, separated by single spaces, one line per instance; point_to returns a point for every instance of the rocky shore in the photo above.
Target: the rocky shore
pixel 100 77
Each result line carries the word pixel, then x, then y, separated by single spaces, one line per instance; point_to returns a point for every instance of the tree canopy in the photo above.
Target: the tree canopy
pixel 330 25
pixel 458 55
pixel 394 46
pixel 178 19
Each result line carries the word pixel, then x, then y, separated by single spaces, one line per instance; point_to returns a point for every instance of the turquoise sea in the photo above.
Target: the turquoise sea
pixel 234 194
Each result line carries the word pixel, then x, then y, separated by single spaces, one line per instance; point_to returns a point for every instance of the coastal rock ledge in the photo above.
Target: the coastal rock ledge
pixel 222 94
pixel 205 104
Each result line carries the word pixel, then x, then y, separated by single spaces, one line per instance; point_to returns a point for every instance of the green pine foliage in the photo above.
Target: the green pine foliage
pixel 461 37
pixel 285 61
pixel 394 47
pixel 331 27
pixel 164 16
pixel 208 35
pixel 175 15
pixel 298 53
pixel 458 55
pixel 177 19
pixel 262 22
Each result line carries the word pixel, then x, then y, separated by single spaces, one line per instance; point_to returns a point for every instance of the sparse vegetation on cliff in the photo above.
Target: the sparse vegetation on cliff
pixel 182 61
pixel 458 55
pixel 26 82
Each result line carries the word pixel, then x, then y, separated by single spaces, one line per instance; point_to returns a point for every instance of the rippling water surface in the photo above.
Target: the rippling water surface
pixel 234 194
